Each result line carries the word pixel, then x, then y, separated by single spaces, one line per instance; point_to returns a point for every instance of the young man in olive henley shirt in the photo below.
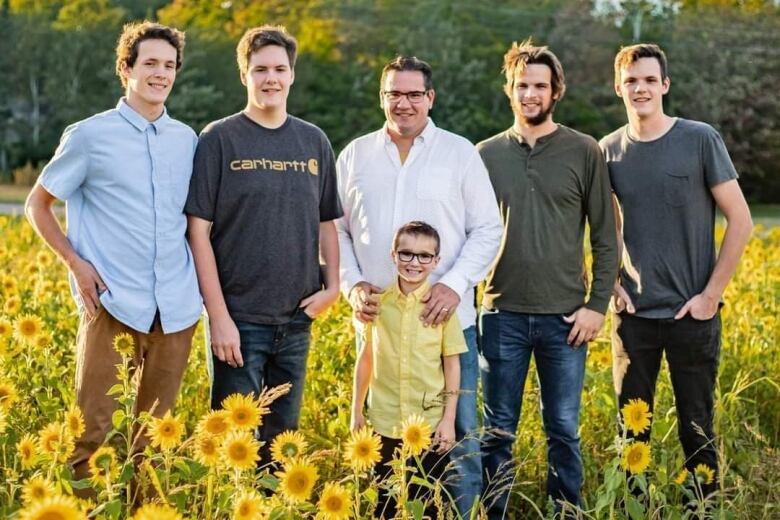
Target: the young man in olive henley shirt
pixel 549 180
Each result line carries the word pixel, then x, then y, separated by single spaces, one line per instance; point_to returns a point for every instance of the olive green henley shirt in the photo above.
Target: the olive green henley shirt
pixel 546 194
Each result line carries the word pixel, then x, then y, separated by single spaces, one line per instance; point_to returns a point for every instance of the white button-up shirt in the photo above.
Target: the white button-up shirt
pixel 442 182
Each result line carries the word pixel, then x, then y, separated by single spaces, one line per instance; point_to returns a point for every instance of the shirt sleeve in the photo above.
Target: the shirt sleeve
pixel 67 170
pixel 330 205
pixel 206 177
pixel 453 341
pixel 603 234
pixel 718 167
pixel 349 269
pixel 483 228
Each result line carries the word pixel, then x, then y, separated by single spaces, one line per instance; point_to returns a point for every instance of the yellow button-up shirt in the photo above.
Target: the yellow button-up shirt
pixel 407 371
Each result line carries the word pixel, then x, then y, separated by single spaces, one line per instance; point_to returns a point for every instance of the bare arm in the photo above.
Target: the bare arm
pixel 40 213
pixel 362 378
pixel 444 435
pixel 225 339
pixel 728 196
pixel 329 252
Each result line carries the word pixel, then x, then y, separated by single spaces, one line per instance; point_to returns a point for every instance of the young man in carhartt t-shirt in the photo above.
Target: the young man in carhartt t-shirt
pixel 261 207
pixel 668 174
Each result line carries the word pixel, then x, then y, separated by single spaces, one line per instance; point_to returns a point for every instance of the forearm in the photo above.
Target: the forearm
pixel 451 365
pixel 329 253
pixel 737 235
pixel 362 379
pixel 41 216
pixel 208 275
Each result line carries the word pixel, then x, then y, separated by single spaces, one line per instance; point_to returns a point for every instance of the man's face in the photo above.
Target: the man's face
pixel 150 80
pixel 642 88
pixel 406 116
pixel 415 269
pixel 532 95
pixel 268 78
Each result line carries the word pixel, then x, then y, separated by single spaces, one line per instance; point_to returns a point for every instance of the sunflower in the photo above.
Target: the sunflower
pixel 704 474
pixel 9 285
pixel 6 329
pixel 42 341
pixel 32 269
pixel 362 449
pixel 602 358
pixel 416 434
pixel 636 457
pixel 214 423
pixel 248 506
pixel 124 344
pixel 288 445
pixel 26 450
pixel 334 502
pixel 243 411
pixel 297 480
pixel 103 468
pixel 157 512
pixel 681 477
pixel 239 450
pixel 56 507
pixel 36 489
pixel 7 396
pixel 44 259
pixel 3 422
pixel 27 328
pixel 166 431
pixel 74 420
pixel 636 416
pixel 56 441
pixel 206 449
pixel 12 305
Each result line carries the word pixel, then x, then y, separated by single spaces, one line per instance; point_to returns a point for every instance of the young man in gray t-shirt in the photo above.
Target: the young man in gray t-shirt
pixel 668 174
pixel 261 207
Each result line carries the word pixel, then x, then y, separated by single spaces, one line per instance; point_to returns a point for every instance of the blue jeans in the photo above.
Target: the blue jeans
pixel 273 355
pixel 466 480
pixel 508 340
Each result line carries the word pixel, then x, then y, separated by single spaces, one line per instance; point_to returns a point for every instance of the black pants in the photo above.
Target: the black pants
pixel 433 465
pixel 692 349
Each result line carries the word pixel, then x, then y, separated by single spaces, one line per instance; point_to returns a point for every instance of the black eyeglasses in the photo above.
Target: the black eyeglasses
pixel 408 256
pixel 394 96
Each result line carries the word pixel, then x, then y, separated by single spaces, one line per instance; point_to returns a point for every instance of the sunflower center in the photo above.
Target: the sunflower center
pixel 237 451
pixel 333 503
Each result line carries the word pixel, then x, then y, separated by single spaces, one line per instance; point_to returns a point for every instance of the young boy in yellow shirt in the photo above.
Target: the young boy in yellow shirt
pixel 406 368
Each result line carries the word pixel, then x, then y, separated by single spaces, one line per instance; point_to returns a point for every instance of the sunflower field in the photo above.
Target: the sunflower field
pixel 202 464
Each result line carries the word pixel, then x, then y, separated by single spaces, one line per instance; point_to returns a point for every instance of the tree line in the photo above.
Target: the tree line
pixel 57 63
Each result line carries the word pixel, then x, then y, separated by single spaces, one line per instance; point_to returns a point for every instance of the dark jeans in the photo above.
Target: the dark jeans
pixel 273 355
pixel 433 466
pixel 692 349
pixel 508 341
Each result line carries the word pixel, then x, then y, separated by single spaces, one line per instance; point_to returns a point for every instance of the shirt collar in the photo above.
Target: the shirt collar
pixel 138 121
pixel 416 295
pixel 540 140
pixel 425 135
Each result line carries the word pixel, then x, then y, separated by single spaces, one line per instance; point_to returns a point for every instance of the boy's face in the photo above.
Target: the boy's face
pixel 268 78
pixel 151 78
pixel 532 97
pixel 415 257
pixel 642 88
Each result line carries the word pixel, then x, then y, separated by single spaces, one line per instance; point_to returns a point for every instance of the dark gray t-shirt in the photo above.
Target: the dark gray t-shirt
pixel 663 187
pixel 265 192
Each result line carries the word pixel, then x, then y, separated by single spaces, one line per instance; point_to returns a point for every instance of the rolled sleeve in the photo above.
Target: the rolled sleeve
pixel 67 170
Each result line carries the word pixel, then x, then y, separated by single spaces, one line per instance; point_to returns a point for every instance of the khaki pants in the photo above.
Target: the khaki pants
pixel 160 358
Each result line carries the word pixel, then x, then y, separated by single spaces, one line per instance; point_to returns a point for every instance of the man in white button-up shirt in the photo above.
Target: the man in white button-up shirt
pixel 412 170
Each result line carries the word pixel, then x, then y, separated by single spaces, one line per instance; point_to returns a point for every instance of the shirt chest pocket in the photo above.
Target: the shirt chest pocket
pixel 176 182
pixel 435 183
pixel 676 188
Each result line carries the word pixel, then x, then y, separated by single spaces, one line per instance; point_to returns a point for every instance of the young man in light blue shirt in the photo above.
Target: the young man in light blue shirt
pixel 124 174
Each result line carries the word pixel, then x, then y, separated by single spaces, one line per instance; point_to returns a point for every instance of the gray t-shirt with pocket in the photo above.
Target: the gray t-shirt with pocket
pixel 265 191
pixel 663 187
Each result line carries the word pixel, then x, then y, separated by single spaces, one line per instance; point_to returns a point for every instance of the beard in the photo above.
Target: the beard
pixel 536 120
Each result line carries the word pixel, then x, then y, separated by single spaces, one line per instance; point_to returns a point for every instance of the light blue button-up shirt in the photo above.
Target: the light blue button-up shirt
pixel 125 181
